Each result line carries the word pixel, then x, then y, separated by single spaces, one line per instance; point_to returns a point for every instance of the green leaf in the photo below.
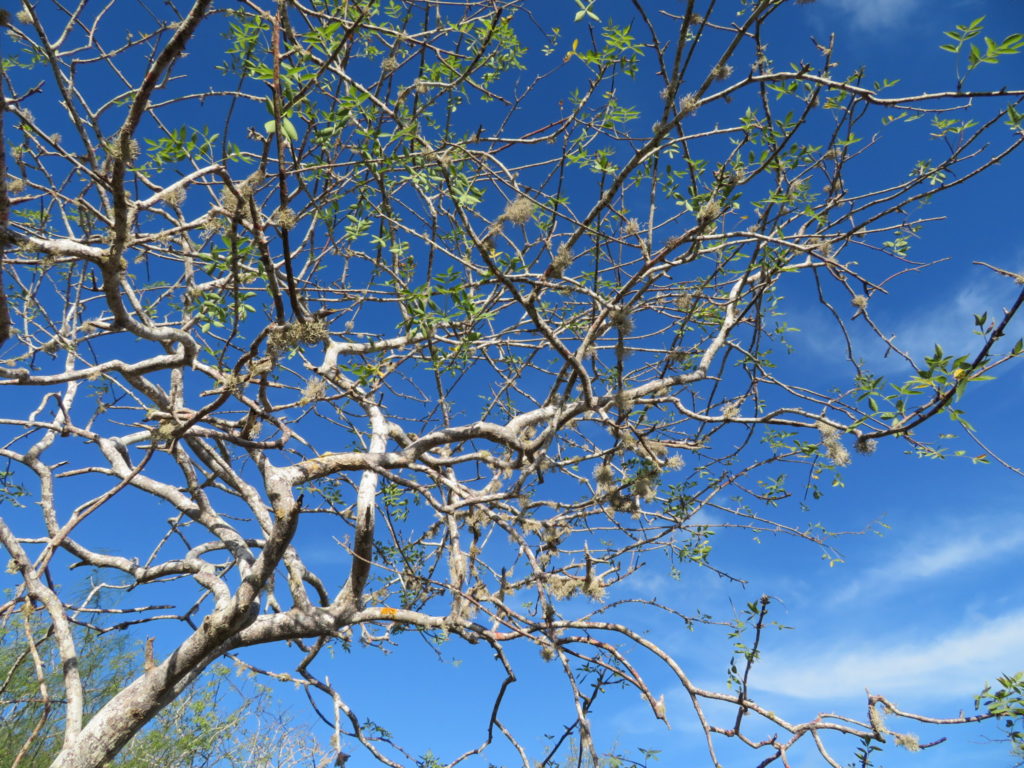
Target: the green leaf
pixel 288 128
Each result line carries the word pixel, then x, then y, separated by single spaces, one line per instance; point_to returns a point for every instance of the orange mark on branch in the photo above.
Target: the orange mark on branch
pixel 388 612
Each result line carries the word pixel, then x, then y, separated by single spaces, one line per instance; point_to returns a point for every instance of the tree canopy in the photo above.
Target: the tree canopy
pixel 216 720
pixel 332 323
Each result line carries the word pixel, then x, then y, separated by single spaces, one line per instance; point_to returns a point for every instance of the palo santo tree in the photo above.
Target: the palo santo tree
pixel 491 294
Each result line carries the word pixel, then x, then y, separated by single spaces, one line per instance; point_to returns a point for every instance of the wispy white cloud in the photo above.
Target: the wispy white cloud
pixel 951 321
pixel 874 13
pixel 940 553
pixel 953 664
pixel 947 321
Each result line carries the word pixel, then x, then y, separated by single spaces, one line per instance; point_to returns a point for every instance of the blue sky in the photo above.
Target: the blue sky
pixel 924 603
pixel 924 608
